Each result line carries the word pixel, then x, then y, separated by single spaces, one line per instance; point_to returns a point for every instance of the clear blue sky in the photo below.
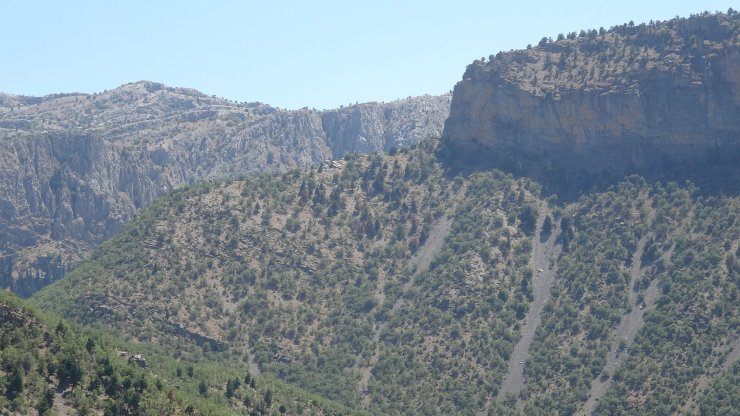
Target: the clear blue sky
pixel 289 54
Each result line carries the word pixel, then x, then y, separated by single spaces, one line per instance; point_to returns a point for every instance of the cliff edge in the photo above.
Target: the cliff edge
pixel 627 100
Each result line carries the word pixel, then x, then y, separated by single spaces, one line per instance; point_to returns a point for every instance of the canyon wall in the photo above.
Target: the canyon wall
pixel 75 167
pixel 628 100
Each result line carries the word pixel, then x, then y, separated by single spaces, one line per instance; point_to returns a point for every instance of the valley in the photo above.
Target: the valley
pixel 48 365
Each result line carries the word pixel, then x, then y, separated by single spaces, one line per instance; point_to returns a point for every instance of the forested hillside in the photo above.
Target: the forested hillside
pixel 49 366
pixel 388 285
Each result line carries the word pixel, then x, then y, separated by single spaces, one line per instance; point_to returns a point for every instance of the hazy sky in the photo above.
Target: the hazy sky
pixel 289 54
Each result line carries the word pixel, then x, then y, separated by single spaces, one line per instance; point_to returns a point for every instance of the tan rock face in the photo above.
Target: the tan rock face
pixel 619 101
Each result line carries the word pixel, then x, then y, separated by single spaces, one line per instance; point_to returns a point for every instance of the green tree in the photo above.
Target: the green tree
pixel 69 371
pixel 231 386
pixel 268 398
pixel 547 226
pixel 15 384
pixel 90 345
pixel 528 219
pixel 46 402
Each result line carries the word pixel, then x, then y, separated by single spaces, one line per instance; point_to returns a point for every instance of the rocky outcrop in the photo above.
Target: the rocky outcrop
pixel 620 101
pixel 75 167
pixel 373 127
pixel 13 316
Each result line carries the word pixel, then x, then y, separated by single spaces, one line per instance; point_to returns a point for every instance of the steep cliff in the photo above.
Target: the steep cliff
pixel 619 101
pixel 370 127
pixel 75 167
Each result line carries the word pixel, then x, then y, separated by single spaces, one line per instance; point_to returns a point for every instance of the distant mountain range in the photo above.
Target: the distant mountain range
pixel 76 167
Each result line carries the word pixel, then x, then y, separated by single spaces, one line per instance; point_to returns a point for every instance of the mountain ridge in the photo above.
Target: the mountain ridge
pixel 661 97
pixel 76 167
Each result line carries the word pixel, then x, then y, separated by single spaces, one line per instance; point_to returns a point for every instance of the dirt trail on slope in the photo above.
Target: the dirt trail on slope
pixel 419 263
pixel 708 377
pixel 60 405
pixel 251 364
pixel 627 329
pixel 544 274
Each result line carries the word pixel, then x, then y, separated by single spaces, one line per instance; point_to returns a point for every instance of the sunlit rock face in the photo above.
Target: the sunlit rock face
pixel 621 101
pixel 75 167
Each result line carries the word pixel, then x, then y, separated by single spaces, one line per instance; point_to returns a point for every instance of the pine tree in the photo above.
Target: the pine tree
pixel 15 384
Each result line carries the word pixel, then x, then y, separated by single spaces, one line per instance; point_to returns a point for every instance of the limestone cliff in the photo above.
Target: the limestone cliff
pixel 619 101
pixel 75 167
pixel 370 127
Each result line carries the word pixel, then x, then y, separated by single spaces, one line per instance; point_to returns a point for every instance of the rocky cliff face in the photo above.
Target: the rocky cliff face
pixel 370 127
pixel 75 167
pixel 619 101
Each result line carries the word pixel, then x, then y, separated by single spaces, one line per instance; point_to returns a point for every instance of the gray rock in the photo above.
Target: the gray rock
pixel 622 102
pixel 75 167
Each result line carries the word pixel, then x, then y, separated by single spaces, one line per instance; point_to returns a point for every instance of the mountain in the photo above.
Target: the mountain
pixel 76 167
pixel 384 284
pixel 49 366
pixel 653 99
pixel 403 284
